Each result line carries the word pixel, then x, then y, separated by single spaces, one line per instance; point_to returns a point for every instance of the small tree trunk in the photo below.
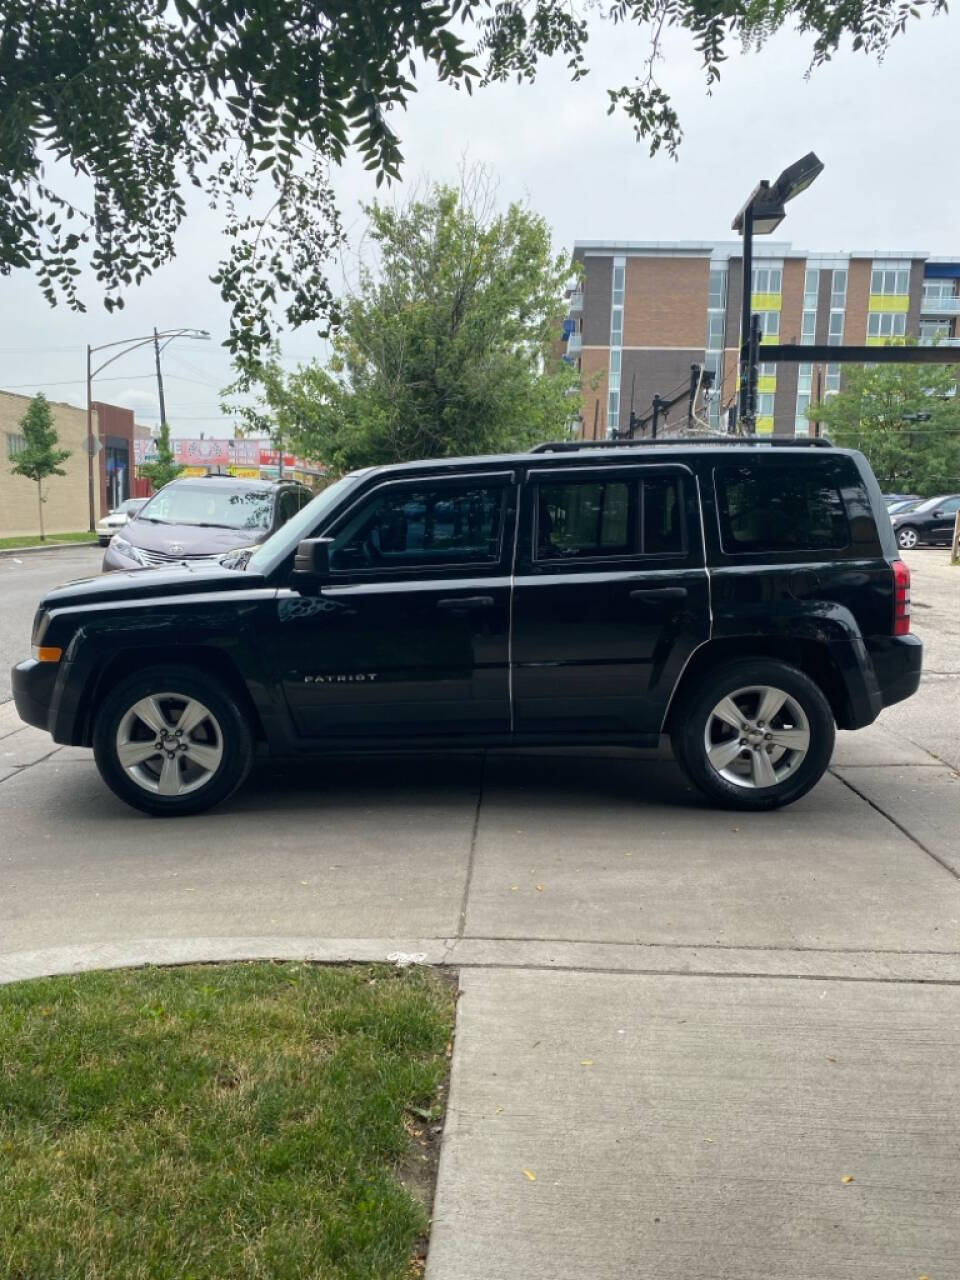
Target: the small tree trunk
pixel 40 508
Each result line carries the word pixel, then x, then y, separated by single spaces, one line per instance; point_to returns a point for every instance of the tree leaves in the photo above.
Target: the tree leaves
pixel 143 98
pixel 445 347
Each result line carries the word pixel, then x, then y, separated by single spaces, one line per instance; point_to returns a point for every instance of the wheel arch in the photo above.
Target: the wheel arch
pixel 214 664
pixel 812 657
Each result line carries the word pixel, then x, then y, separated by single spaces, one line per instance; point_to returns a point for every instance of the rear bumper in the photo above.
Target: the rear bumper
pixel 898 663
pixel 33 685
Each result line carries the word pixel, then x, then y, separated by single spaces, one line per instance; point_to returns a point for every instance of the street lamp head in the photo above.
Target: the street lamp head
pixel 766 201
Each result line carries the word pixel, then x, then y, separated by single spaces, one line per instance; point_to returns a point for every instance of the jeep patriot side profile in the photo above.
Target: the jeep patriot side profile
pixel 744 597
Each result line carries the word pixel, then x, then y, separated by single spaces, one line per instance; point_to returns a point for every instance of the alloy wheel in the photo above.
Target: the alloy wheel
pixel 907 539
pixel 756 737
pixel 169 744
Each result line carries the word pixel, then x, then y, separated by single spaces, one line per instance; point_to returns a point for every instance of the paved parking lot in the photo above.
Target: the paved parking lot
pixel 688 1025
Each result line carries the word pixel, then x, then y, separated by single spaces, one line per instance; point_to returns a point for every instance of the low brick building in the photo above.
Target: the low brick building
pixel 67 506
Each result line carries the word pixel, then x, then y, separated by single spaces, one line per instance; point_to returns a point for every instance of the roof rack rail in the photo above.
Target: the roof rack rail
pixel 782 442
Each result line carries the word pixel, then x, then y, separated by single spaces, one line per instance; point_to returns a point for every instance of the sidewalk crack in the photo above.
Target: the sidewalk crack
pixel 462 922
pixel 899 825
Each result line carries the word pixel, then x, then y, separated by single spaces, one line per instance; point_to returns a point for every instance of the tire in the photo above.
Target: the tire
pixel 907 537
pixel 736 776
pixel 104 542
pixel 189 774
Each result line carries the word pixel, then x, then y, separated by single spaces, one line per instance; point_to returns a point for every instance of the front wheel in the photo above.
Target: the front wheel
pixel 754 734
pixel 907 537
pixel 172 741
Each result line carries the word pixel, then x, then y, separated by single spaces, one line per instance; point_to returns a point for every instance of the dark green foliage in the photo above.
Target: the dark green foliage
pixel 163 469
pixel 234 96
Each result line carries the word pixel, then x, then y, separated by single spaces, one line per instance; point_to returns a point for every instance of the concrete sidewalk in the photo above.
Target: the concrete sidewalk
pixel 687 1025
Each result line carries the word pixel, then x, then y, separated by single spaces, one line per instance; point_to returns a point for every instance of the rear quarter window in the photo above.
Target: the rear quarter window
pixel 771 509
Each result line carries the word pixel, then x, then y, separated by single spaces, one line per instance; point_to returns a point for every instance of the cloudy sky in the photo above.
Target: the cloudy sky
pixel 891 182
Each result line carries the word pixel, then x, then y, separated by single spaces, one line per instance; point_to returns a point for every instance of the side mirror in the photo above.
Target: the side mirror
pixel 936 514
pixel 311 564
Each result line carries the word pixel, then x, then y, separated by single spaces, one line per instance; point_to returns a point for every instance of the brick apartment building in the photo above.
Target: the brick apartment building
pixel 646 311
pixel 67 505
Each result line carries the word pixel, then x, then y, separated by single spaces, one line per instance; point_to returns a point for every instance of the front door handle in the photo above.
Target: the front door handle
pixel 659 593
pixel 458 604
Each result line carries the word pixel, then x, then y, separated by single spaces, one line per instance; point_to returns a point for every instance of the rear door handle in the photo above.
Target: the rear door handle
pixel 659 593
pixel 458 604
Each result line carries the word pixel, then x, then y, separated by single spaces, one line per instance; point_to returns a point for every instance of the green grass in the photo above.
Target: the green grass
pixel 34 540
pixel 244 1120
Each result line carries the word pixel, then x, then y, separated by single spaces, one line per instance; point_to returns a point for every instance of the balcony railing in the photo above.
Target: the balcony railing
pixel 574 344
pixel 576 300
pixel 940 304
pixel 939 342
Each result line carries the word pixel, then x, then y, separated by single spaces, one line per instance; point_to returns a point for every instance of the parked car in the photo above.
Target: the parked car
pixel 117 518
pixel 200 518
pixel 931 521
pixel 904 504
pixel 743 598
pixel 891 498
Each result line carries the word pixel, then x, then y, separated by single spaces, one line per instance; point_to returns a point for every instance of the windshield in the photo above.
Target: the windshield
pixel 305 523
pixel 216 505
pixel 929 505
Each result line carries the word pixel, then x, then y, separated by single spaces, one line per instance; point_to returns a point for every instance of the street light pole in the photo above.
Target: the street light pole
pixel 156 349
pixel 761 215
pixel 128 344
pixel 745 421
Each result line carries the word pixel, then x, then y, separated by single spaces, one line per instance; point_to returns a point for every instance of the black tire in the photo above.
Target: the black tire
pixel 226 729
pixel 908 537
pixel 693 717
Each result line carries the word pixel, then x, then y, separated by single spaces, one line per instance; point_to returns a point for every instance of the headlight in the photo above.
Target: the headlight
pixel 125 548
pixel 239 558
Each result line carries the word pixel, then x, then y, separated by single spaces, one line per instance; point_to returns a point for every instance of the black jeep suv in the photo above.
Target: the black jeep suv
pixel 741 596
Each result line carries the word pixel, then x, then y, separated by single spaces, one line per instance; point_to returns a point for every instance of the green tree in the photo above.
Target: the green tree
pixel 905 418
pixel 445 347
pixel 163 469
pixel 253 102
pixel 41 457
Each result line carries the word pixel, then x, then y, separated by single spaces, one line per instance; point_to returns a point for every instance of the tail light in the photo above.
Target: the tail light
pixel 901 598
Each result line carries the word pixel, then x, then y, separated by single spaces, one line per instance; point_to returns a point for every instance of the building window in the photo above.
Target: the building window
pixel 811 288
pixel 619 277
pixel 934 330
pixel 808 328
pixel 717 298
pixel 769 323
pixel 886 324
pixel 15 444
pixel 896 282
pixel 767 280
pixel 838 290
pixel 613 409
pixel 767 369
pixel 805 377
pixel 832 380
pixel 765 404
pixel 835 332
pixel 938 291
pixel 715 331
pixel 616 327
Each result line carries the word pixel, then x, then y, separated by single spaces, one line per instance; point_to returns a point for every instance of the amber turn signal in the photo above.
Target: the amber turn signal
pixel 46 654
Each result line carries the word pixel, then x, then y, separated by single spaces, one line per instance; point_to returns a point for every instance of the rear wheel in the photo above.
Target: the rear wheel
pixel 172 741
pixel 907 537
pixel 754 734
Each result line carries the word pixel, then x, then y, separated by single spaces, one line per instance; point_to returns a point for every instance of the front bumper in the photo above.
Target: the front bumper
pixel 33 685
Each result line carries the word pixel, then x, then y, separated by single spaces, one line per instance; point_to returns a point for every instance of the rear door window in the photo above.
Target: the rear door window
pixel 781 509
pixel 585 518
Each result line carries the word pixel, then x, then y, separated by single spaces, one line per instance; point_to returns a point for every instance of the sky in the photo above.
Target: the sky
pixel 891 181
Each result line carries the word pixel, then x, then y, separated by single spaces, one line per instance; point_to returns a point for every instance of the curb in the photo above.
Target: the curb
pixel 45 546
pixel 615 959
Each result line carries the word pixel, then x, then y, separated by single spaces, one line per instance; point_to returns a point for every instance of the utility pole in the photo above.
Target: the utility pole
pixel 659 405
pixel 156 349
pixel 91 448
pixel 745 415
